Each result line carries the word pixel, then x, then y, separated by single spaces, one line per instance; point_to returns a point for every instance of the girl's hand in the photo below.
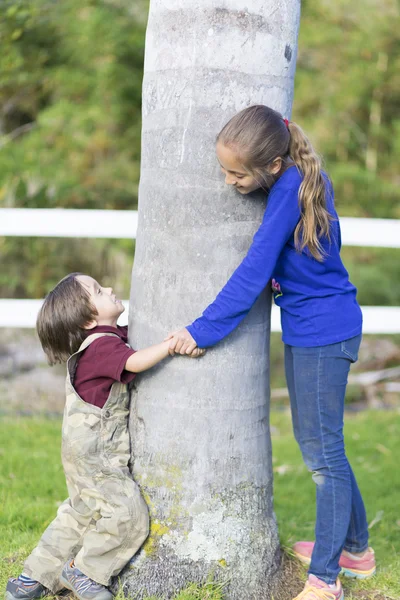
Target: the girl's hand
pixel 181 342
pixel 197 352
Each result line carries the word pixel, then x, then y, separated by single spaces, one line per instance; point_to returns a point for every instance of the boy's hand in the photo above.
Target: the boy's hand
pixel 197 352
pixel 181 342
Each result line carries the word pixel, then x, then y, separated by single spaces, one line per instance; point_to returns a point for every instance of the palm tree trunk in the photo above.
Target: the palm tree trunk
pixel 200 428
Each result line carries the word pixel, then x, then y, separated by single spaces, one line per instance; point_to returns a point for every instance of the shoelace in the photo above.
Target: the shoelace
pixel 314 593
pixel 82 583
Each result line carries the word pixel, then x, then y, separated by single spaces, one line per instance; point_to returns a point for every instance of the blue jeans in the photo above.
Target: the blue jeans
pixel 317 379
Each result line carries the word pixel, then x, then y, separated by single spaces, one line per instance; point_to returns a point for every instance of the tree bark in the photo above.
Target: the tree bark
pixel 200 428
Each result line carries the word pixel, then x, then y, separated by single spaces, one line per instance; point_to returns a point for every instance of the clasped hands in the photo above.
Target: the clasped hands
pixel 181 342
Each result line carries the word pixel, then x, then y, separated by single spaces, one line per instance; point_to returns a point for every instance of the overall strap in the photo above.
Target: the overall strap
pixel 73 359
pixel 91 338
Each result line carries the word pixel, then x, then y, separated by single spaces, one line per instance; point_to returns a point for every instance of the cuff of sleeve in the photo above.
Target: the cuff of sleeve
pixel 203 337
pixel 191 329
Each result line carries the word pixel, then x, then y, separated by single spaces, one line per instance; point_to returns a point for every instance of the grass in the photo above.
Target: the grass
pixel 32 486
pixel 373 448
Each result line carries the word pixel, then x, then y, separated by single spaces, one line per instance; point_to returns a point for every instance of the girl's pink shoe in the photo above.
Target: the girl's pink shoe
pixel 351 564
pixel 315 589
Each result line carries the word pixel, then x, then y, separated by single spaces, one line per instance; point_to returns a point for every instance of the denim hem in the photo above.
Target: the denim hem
pixel 324 578
pixel 356 549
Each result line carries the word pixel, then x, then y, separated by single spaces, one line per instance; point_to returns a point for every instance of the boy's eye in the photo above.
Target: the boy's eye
pixel 99 291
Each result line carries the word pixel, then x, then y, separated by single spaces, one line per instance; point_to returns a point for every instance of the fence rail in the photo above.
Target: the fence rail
pixel 22 313
pixel 82 223
pixel 66 222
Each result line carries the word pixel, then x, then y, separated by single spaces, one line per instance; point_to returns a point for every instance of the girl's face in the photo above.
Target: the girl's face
pixel 235 173
pixel 108 307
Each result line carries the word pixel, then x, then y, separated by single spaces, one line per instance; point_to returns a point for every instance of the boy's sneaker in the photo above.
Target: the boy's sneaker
pixel 315 589
pixel 18 589
pixel 352 565
pixel 82 586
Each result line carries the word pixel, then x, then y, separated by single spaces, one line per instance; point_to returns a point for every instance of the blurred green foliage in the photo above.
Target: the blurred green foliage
pixel 70 94
pixel 70 102
pixel 347 97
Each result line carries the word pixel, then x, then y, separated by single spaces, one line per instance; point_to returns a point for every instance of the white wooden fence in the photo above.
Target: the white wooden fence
pixel 59 222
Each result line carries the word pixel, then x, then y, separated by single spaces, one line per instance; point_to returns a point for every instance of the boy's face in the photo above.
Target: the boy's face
pixel 108 307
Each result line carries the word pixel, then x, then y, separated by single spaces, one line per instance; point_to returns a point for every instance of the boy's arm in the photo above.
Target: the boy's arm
pixel 148 357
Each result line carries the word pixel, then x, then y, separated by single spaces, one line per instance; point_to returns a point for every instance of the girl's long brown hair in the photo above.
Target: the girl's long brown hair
pixel 259 135
pixel 62 318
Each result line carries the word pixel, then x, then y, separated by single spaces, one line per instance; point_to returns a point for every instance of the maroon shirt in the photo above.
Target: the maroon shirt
pixel 101 364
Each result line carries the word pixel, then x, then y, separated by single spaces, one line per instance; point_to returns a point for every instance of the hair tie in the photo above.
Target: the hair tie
pixel 286 123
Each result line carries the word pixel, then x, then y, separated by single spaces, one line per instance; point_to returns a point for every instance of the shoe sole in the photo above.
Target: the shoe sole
pixel 9 596
pixel 72 589
pixel 353 573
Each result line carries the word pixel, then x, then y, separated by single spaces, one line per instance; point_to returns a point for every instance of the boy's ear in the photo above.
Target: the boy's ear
pixel 90 325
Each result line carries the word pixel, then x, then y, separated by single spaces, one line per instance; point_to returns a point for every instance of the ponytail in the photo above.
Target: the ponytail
pixel 259 135
pixel 315 219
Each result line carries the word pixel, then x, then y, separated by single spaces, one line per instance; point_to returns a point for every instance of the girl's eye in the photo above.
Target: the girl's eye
pixel 240 176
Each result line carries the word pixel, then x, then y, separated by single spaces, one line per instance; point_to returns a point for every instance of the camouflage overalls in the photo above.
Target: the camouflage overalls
pixel 105 519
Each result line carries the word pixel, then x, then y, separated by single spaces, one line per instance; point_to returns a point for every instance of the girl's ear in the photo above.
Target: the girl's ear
pixel 276 166
pixel 90 325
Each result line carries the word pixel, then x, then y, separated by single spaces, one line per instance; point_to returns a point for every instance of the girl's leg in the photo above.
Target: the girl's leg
pixel 317 379
pixel 357 534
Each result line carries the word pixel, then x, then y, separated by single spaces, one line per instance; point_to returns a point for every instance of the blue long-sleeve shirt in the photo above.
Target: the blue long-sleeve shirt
pixel 318 302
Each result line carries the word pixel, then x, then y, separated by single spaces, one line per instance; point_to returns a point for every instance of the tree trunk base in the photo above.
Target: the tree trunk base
pixel 166 574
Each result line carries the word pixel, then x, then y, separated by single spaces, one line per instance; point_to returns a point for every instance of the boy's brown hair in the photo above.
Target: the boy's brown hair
pixel 62 318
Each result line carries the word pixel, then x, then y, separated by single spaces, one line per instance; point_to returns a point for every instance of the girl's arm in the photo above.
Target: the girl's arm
pixel 148 357
pixel 248 281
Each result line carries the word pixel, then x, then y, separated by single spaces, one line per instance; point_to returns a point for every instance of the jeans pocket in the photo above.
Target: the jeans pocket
pixel 351 347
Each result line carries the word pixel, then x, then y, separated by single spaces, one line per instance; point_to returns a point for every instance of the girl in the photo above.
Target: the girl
pixel 297 246
pixel 105 519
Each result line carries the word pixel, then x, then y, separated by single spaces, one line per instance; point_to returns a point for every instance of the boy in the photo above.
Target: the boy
pixel 104 521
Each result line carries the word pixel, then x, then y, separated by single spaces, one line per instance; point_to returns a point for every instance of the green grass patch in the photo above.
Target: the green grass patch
pixel 373 448
pixel 32 486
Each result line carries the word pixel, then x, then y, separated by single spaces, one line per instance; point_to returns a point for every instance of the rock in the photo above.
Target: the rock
pixel 377 353
pixel 28 385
